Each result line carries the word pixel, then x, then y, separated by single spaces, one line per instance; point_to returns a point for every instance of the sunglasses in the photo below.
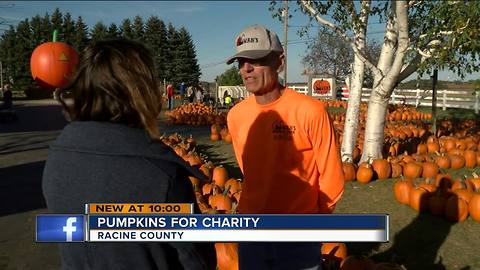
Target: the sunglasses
pixel 264 61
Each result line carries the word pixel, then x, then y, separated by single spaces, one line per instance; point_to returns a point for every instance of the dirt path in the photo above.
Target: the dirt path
pixel 23 151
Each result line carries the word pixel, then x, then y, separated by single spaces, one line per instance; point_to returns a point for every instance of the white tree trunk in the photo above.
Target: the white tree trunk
pixel 390 64
pixel 350 131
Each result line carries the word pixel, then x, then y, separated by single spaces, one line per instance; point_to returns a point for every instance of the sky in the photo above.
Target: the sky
pixel 213 26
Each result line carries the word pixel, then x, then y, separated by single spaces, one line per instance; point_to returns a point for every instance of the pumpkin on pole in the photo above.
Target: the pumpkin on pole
pixel 52 63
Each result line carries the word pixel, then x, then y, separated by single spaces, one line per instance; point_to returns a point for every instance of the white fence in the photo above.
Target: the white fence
pixel 466 99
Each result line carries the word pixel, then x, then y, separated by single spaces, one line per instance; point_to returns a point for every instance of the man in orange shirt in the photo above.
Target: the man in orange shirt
pixel 285 146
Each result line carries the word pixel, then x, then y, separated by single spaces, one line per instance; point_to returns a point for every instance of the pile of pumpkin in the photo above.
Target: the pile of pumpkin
pixel 395 113
pixel 196 114
pixel 218 133
pixel 218 193
pixel 441 196
pixel 437 192
pixel 435 154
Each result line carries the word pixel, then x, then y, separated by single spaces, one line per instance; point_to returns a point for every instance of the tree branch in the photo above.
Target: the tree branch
pixel 308 7
pixel 409 69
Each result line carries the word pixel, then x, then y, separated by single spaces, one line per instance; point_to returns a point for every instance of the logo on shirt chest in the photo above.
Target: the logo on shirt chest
pixel 282 131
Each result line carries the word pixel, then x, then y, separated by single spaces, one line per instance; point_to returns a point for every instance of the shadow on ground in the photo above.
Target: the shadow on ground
pixel 35 118
pixel 416 246
pixel 21 188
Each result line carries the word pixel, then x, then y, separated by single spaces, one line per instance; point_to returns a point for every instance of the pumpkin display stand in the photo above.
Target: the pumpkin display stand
pixel 52 63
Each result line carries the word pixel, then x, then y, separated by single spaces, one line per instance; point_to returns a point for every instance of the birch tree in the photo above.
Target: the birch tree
pixel 418 35
pixel 346 17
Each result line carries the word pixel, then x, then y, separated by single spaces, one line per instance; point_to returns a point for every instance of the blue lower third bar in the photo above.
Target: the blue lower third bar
pixel 241 222
pixel 60 228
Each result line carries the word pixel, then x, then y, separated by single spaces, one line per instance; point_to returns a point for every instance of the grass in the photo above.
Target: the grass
pixel 451 113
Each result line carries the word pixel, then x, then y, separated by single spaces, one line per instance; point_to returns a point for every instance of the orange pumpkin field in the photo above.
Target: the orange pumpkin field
pixel 425 182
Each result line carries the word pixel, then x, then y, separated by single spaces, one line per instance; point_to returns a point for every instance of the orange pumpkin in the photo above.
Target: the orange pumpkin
pixel 382 168
pixel 220 176
pixel 456 209
pixel 397 169
pixel 233 185
pixel 221 201
pixel 430 169
pixel 412 170
pixel 443 162
pixel 474 207
pixel 364 174
pixel 401 190
pixel 334 252
pixel 457 161
pixel 419 199
pixel 470 158
pixel 437 203
pixel 52 63
pixel 348 171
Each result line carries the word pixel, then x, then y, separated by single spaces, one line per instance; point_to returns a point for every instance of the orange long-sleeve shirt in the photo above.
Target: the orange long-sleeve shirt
pixel 288 155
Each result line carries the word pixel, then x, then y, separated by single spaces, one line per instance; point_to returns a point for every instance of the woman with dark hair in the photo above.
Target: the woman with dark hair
pixel 110 153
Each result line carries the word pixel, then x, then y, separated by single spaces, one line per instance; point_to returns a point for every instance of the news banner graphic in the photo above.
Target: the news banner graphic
pixel 176 223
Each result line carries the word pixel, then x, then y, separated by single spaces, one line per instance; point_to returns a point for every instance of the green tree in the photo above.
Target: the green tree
pixel 138 28
pixel 39 34
pixel 126 30
pixel 8 53
pixel 186 65
pixel 47 27
pixel 155 38
pixel 170 55
pixel 98 32
pixel 57 21
pixel 229 77
pixel 113 32
pixel 80 39
pixel 23 49
pixel 67 33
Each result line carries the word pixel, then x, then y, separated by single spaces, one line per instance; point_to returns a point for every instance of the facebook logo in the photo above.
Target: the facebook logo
pixel 60 228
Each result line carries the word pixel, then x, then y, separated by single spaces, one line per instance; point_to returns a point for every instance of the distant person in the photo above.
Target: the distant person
pixel 199 95
pixel 170 96
pixel 190 94
pixel 7 102
pixel 285 144
pixel 183 88
pixel 225 94
pixel 228 101
pixel 110 152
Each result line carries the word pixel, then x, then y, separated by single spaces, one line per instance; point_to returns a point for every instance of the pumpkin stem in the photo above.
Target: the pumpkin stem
pixel 234 208
pixel 55 35
pixel 475 174
pixel 225 192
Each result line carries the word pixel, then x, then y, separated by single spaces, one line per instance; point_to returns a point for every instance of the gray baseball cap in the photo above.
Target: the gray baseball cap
pixel 255 42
